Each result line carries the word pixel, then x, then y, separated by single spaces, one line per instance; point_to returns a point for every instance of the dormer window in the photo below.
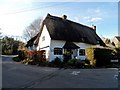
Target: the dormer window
pixel 43 38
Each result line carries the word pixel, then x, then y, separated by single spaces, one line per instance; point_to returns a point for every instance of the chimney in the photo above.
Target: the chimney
pixel 64 17
pixel 94 27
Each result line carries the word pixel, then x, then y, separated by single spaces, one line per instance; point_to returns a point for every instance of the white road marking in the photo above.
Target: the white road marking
pixel 75 72
pixel 116 76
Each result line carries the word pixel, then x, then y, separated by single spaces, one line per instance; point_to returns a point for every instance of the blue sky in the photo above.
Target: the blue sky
pixel 16 15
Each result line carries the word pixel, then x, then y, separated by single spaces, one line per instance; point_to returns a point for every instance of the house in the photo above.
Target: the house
pixel 108 42
pixel 59 35
pixel 32 43
pixel 116 41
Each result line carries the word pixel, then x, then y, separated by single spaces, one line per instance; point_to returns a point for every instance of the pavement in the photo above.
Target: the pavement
pixel 17 75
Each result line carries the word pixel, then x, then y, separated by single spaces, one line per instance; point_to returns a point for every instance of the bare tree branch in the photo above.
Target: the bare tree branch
pixel 32 29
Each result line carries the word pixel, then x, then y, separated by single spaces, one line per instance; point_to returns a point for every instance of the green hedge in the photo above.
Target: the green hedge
pixel 102 56
pixel 90 56
pixel 117 53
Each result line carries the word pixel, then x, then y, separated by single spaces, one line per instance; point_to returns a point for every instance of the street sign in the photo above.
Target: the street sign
pixel 116 60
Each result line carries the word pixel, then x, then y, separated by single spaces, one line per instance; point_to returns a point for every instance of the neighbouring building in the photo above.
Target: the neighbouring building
pixel 116 41
pixel 59 35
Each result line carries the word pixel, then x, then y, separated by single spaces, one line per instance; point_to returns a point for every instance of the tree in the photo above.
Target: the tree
pixel 9 45
pixel 32 29
pixel 0 33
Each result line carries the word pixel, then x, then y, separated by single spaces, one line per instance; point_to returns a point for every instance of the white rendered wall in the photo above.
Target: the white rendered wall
pixel 56 44
pixel 44 45
pixel 83 46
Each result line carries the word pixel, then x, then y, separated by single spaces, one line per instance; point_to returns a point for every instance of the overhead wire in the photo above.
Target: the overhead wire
pixel 32 9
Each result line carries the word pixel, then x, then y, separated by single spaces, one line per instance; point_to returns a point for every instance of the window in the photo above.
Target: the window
pixel 57 51
pixel 43 38
pixel 82 52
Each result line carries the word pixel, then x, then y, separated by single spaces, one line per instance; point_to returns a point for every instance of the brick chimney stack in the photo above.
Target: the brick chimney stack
pixel 64 17
pixel 94 27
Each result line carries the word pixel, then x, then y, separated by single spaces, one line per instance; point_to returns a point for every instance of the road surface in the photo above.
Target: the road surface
pixel 17 75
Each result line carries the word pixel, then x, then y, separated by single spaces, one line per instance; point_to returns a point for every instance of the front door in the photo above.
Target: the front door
pixel 68 53
pixel 74 54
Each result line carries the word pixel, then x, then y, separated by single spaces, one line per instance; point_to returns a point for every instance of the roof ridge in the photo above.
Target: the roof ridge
pixel 60 18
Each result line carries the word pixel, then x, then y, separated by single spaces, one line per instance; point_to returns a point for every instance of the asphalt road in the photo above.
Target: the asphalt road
pixel 16 75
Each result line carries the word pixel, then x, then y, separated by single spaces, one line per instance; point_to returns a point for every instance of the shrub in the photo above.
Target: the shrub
pixel 32 63
pixel 66 56
pixel 79 63
pixel 71 62
pixel 22 54
pixel 113 65
pixel 87 61
pixel 32 57
pixel 76 63
pixel 17 59
pixel 90 56
pixel 43 63
pixel 36 56
pixel 26 61
pixel 117 53
pixel 56 62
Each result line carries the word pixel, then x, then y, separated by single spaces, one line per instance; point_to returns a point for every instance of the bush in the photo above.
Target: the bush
pixel 76 63
pixel 79 64
pixel 56 62
pixel 71 62
pixel 9 45
pixel 117 53
pixel 66 56
pixel 43 63
pixel 36 57
pixel 17 59
pixel 90 56
pixel 22 54
pixel 26 61
pixel 87 62
pixel 113 66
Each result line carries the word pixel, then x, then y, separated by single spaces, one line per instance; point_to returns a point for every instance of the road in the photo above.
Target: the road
pixel 17 75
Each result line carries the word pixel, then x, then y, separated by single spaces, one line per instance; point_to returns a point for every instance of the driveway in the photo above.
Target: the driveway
pixel 16 75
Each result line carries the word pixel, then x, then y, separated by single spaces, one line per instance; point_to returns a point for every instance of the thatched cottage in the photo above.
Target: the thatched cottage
pixel 59 35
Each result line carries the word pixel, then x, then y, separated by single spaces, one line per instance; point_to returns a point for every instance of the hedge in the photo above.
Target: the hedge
pixel 102 56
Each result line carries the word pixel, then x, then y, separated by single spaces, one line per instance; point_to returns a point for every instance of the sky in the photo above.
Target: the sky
pixel 16 15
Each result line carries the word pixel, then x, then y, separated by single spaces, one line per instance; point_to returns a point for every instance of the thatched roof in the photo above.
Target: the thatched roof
pixel 118 38
pixel 33 41
pixel 63 29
